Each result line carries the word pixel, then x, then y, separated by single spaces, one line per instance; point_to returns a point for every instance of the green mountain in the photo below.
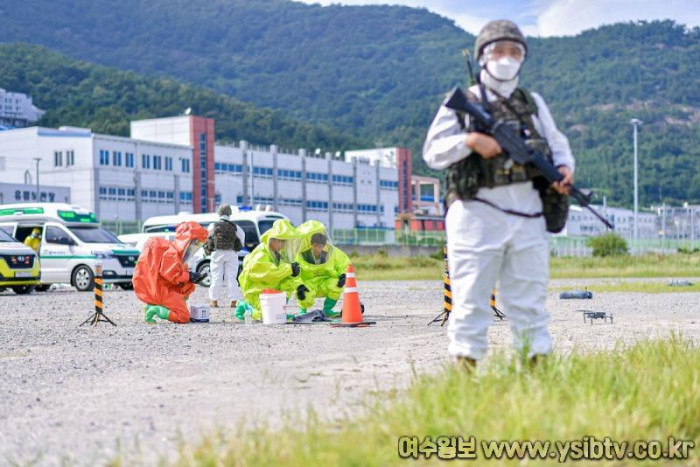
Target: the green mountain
pixel 379 72
pixel 106 99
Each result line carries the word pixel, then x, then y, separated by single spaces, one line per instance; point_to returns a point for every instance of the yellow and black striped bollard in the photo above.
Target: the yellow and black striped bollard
pixel 99 304
pixel 447 301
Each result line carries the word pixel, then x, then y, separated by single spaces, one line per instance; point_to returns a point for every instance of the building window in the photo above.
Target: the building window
pixel 263 172
pixel 117 158
pixel 289 174
pixel 145 161
pixel 343 179
pixel 169 164
pixel 185 166
pixel 203 172
pixel 186 197
pixel 57 159
pixel 157 162
pixel 70 158
pixel 317 205
pixel 317 177
pixel 129 159
pixel 104 157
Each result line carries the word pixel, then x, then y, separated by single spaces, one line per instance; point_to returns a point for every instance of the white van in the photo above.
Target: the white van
pixel 253 223
pixel 72 243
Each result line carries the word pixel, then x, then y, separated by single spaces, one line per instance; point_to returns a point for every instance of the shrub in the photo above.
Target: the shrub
pixel 609 244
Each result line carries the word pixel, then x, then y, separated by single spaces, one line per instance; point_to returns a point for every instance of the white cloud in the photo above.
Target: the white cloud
pixel 570 17
pixel 548 17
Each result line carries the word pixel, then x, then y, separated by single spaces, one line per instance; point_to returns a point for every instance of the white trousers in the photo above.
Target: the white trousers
pixel 484 245
pixel 224 269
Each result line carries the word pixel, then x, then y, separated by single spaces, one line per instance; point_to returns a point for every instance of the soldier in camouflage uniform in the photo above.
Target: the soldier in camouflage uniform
pixel 225 241
pixel 495 226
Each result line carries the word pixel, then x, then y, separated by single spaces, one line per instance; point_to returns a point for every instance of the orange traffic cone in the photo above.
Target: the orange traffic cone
pixel 352 310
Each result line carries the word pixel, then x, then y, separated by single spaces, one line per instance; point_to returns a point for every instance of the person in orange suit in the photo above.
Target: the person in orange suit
pixel 162 278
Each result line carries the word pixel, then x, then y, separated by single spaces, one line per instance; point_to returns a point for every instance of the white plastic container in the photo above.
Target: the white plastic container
pixel 199 313
pixel 272 306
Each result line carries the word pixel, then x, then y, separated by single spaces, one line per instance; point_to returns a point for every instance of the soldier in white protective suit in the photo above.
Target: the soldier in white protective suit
pixel 225 240
pixel 495 224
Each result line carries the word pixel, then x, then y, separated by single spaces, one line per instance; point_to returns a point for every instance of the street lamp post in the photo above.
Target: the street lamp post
pixel 37 159
pixel 636 123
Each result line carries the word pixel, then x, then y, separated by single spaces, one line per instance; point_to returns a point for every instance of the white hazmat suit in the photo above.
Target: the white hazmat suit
pixel 485 243
pixel 224 270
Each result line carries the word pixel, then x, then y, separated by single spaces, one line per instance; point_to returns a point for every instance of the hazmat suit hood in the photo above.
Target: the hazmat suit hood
pixel 282 230
pixel 311 231
pixel 314 270
pixel 189 237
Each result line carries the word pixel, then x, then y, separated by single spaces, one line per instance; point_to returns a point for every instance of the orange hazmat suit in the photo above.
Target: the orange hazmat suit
pixel 162 276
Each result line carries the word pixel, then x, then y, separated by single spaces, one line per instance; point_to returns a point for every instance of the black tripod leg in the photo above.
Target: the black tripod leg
pixel 499 313
pixel 106 319
pixel 92 317
pixel 437 318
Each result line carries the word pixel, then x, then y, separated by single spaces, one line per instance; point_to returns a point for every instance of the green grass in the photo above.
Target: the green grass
pixel 378 267
pixel 649 391
pixel 676 265
pixel 640 286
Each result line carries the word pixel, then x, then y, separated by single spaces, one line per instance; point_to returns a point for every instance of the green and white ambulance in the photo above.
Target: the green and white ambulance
pixel 72 243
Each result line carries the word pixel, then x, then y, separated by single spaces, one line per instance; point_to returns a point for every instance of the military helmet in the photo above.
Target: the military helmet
pixel 224 210
pixel 498 30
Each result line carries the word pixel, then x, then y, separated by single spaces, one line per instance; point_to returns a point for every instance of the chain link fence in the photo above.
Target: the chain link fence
pixel 558 246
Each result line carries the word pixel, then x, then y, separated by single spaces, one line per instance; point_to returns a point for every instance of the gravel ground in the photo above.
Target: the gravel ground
pixel 82 395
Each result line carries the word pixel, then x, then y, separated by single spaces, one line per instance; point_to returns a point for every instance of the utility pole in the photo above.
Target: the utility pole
pixel 636 123
pixel 37 159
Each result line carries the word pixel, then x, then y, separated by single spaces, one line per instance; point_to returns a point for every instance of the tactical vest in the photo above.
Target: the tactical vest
pixel 464 178
pixel 224 236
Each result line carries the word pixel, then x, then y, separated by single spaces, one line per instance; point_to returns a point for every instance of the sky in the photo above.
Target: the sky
pixel 548 17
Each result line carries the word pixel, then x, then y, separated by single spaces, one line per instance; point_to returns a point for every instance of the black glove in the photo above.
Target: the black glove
pixel 341 280
pixel 301 292
pixel 296 270
pixel 196 277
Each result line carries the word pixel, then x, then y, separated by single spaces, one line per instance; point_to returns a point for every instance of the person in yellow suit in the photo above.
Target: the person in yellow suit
pixel 271 265
pixel 323 265
pixel 33 241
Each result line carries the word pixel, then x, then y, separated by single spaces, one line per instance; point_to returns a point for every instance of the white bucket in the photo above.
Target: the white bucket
pixel 272 306
pixel 199 313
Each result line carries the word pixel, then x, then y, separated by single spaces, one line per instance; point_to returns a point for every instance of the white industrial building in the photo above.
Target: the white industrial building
pixel 582 222
pixel 27 192
pixel 171 165
pixel 17 109
pixel 118 178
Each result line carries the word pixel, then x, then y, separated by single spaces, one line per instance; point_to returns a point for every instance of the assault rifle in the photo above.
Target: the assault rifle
pixel 511 142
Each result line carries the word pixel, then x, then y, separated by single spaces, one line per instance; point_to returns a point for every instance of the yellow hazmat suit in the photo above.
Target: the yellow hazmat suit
pixel 323 265
pixel 269 266
pixel 34 240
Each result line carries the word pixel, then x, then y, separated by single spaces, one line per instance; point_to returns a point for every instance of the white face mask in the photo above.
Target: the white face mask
pixel 504 69
pixel 503 88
